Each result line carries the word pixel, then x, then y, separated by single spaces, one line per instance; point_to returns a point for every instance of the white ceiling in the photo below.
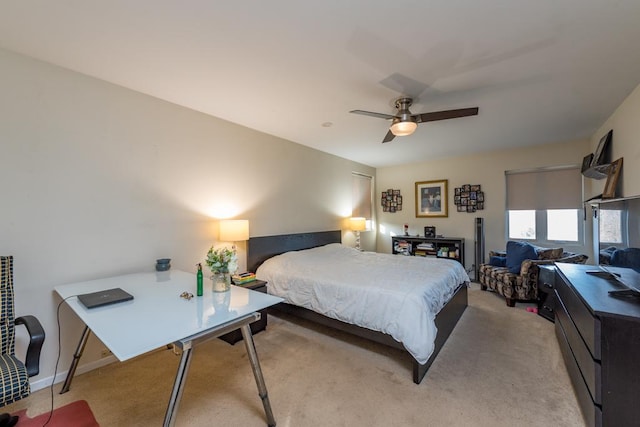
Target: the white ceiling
pixel 540 71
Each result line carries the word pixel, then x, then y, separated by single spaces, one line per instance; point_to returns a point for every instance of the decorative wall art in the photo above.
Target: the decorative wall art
pixel 599 157
pixel 391 201
pixel 469 198
pixel 609 191
pixel 431 199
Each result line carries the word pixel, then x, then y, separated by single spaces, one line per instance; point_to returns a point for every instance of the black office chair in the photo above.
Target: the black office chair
pixel 14 375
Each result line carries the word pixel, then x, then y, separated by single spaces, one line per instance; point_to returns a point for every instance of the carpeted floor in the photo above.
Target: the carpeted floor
pixel 500 367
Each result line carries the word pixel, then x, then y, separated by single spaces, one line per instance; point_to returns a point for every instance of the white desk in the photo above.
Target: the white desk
pixel 158 316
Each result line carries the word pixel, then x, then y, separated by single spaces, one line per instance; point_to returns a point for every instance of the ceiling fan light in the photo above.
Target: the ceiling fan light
pixel 403 128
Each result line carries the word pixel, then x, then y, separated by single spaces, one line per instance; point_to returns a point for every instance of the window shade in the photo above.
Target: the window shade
pixel 541 189
pixel 361 199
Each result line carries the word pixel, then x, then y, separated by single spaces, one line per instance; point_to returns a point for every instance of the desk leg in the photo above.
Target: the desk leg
pixel 76 359
pixel 178 387
pixel 257 373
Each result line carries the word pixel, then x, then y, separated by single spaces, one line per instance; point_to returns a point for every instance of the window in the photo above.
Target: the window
pixel 562 224
pixel 545 205
pixel 362 197
pixel 522 224
pixel 610 224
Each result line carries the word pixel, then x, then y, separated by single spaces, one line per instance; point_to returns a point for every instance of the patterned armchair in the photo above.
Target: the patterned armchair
pixel 14 375
pixel 522 285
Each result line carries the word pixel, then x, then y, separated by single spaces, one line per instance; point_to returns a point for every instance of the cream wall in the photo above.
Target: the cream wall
pixel 99 180
pixel 486 169
pixel 625 122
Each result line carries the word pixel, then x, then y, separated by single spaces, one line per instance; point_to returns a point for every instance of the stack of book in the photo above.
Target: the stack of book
pixel 403 247
pixel 242 278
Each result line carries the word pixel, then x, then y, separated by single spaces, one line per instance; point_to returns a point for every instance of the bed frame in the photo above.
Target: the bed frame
pixel 262 248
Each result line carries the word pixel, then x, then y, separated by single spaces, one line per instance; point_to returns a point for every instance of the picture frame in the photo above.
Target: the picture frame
pixel 429 231
pixel 391 201
pixel 469 198
pixel 599 155
pixel 431 199
pixel 613 174
pixel 586 162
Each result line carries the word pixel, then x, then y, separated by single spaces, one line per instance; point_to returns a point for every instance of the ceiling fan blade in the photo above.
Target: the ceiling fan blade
pixel 372 114
pixel 388 137
pixel 445 115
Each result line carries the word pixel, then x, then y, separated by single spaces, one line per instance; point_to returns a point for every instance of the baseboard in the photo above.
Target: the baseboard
pixel 61 376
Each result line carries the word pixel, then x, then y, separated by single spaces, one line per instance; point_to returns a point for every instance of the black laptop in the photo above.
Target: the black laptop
pixel 106 297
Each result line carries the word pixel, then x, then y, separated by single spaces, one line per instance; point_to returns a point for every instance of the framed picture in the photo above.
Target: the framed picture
pixel 469 198
pixel 429 231
pixel 609 191
pixel 586 162
pixel 431 199
pixel 391 201
pixel 599 155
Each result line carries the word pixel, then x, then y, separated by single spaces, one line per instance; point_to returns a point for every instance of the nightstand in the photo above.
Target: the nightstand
pixel 257 326
pixel 546 294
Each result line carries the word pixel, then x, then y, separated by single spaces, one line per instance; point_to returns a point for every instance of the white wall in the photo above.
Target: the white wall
pixel 486 169
pixel 99 180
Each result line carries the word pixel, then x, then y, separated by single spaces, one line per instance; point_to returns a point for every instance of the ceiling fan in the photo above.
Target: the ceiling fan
pixel 404 123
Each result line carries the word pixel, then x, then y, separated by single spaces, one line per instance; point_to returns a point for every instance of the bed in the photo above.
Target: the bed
pixel 320 295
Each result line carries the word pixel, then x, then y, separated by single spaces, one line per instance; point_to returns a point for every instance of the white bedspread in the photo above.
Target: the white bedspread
pixel 394 294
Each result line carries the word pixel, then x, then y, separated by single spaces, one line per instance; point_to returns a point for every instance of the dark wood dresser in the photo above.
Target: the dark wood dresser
pixel 599 336
pixel 546 294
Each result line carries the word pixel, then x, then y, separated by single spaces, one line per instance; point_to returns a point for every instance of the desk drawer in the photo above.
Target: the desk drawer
pixel 591 370
pixel 587 325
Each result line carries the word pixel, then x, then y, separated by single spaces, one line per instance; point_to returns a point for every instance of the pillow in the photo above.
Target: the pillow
pixel 518 252
pixel 498 261
pixel 550 253
pixel 629 258
pixel 605 255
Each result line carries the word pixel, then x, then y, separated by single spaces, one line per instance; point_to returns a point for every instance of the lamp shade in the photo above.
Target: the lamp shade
pixel 403 128
pixel 358 223
pixel 234 230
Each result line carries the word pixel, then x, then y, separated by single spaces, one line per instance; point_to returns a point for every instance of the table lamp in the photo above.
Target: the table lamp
pixel 234 230
pixel 358 224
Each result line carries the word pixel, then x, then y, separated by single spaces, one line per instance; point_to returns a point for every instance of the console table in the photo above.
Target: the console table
pixel 599 337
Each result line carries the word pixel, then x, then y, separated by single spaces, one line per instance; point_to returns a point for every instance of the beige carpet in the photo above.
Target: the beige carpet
pixel 500 367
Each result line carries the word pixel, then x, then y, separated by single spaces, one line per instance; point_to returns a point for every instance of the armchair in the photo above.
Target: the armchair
pixel 14 375
pixel 518 279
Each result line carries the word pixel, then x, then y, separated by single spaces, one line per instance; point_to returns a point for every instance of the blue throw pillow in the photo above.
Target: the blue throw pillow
pixel 517 252
pixel 498 261
pixel 629 257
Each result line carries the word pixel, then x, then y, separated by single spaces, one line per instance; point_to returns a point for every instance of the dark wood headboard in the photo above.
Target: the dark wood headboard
pixel 260 249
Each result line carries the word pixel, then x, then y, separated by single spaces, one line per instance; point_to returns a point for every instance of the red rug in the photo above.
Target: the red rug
pixel 75 414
